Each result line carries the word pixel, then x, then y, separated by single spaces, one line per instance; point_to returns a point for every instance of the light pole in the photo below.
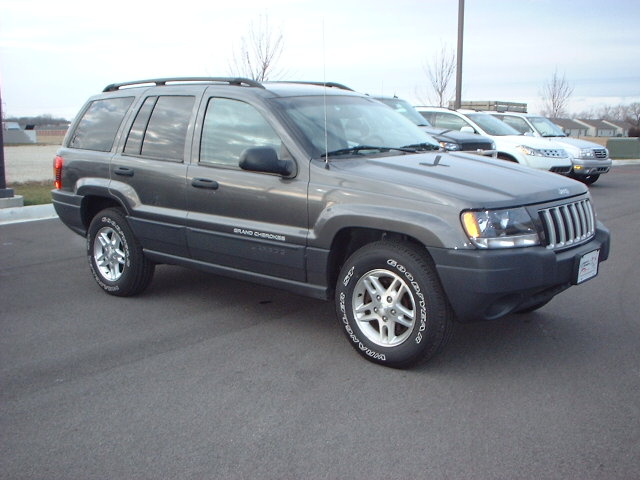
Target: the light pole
pixel 4 191
pixel 458 101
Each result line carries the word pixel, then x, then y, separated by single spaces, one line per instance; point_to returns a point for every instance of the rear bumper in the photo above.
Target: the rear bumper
pixel 68 206
pixel 488 284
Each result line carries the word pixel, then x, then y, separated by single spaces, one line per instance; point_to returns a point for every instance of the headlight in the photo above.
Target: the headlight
pixel 450 146
pixel 587 153
pixel 534 152
pixel 508 228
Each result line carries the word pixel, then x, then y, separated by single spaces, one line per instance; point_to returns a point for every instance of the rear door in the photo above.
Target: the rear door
pixel 149 171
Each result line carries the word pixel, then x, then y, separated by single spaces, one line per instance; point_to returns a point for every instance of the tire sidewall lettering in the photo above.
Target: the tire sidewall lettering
pixel 418 293
pixel 102 282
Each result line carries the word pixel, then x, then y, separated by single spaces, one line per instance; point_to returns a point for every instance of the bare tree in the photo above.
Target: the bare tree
pixel 259 51
pixel 632 114
pixel 439 72
pixel 555 96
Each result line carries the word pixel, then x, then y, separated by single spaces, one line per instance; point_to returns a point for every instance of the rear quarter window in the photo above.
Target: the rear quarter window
pixel 99 124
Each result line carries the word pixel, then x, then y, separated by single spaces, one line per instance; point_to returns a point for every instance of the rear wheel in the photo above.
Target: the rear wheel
pixel 391 305
pixel 115 255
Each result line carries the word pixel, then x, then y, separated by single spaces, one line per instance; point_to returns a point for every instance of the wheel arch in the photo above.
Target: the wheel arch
pixel 350 239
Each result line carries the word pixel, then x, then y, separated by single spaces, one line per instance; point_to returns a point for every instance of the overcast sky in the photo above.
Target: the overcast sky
pixel 55 54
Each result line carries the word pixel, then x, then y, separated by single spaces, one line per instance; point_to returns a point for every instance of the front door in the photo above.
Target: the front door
pixel 246 221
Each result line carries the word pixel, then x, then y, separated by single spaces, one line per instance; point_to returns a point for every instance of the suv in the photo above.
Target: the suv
pixel 450 140
pixel 324 192
pixel 590 160
pixel 511 144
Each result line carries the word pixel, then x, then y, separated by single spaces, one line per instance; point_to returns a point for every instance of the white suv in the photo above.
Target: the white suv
pixel 590 160
pixel 511 145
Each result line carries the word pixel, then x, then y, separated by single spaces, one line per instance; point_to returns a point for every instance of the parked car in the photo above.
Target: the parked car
pixel 324 192
pixel 451 140
pixel 511 145
pixel 590 160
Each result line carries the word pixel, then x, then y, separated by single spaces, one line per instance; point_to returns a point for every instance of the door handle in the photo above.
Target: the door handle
pixel 204 183
pixel 124 171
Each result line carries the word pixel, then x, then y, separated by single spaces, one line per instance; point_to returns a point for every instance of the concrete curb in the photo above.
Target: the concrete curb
pixel 27 214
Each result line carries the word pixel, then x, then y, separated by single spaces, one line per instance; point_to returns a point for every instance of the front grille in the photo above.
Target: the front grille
pixel 600 153
pixel 474 146
pixel 561 170
pixel 568 225
pixel 554 152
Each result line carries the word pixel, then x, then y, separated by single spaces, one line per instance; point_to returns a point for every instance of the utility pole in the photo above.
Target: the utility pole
pixel 458 101
pixel 4 191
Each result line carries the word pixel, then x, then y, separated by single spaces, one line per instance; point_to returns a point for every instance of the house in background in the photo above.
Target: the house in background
pixel 621 128
pixel 598 128
pixel 570 127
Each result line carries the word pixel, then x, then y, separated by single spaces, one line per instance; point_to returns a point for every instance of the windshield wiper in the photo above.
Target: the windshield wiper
pixel 358 148
pixel 422 147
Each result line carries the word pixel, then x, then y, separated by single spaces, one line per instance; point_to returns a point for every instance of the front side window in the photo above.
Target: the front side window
pixel 99 124
pixel 230 127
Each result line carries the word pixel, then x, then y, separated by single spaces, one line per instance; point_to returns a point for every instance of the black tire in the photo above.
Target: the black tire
pixel 411 322
pixel 115 255
pixel 589 179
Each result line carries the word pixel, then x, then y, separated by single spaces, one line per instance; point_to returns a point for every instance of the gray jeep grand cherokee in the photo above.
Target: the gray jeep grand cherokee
pixel 326 193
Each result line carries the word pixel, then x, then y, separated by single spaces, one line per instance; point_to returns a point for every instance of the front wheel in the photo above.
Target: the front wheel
pixel 391 305
pixel 116 258
pixel 589 179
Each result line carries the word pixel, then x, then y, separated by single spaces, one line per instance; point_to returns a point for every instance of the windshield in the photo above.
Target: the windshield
pixel 491 125
pixel 352 122
pixel 546 127
pixel 404 108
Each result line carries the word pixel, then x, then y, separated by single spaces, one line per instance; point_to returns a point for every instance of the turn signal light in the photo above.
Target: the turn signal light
pixel 57 172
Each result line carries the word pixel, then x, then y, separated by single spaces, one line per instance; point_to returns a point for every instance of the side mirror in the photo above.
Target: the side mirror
pixel 265 159
pixel 467 129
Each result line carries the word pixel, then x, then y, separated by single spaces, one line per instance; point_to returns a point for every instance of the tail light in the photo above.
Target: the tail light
pixel 57 172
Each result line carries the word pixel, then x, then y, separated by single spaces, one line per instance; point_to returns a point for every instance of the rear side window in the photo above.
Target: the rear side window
pixel 99 124
pixel 160 128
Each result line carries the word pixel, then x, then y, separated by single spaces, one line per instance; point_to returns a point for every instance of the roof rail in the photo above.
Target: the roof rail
pixel 238 81
pixel 321 84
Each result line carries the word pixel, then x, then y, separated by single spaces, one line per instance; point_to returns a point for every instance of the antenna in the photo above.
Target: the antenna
pixel 324 100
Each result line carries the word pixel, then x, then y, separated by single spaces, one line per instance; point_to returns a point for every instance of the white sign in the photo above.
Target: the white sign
pixel 588 267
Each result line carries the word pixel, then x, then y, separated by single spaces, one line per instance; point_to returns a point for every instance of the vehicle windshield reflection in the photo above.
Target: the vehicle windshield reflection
pixel 351 122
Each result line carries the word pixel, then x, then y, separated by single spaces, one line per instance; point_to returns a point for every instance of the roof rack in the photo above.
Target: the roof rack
pixel 321 84
pixel 238 81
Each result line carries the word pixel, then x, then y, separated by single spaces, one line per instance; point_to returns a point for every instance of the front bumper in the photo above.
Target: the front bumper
pixel 591 167
pixel 488 284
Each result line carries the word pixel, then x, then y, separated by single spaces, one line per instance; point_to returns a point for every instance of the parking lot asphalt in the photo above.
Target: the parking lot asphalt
pixel 206 377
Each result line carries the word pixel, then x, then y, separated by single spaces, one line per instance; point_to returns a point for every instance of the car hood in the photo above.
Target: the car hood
pixel 533 142
pixel 574 142
pixel 464 180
